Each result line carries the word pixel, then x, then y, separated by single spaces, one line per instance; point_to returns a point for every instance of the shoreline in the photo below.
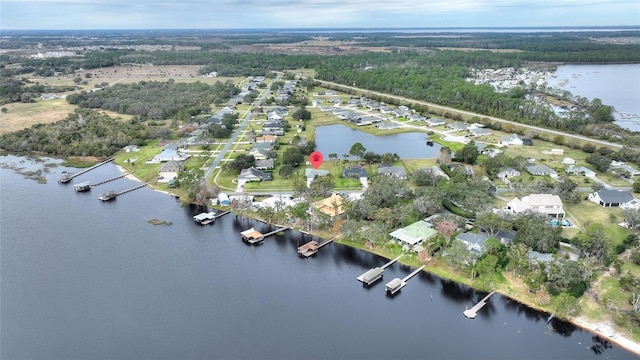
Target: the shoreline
pixel 601 329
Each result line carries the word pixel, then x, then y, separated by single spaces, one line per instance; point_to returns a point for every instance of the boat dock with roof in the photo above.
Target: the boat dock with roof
pixel 253 236
pixel 376 273
pixel 205 218
pixel 396 284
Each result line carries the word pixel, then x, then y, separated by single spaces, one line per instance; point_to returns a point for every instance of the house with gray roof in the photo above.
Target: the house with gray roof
pixel 458 126
pixel 435 121
pixel 614 198
pixel 473 241
pixel 266 164
pixel 392 170
pixel 478 131
pixel 170 170
pixel 512 139
pixel 259 153
pixel 508 173
pixel 355 172
pixel 541 170
pixel 253 174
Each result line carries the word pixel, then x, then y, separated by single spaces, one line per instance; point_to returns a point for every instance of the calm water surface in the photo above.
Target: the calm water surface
pixel 615 85
pixel 82 279
pixel 339 139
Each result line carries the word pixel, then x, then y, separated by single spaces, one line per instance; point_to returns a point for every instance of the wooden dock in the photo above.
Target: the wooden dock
pixel 471 313
pixel 253 236
pixel 396 284
pixel 312 247
pixel 68 177
pixel 376 273
pixel 109 180
pixel 110 195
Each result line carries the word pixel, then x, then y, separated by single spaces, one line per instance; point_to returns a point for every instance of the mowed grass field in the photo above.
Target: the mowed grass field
pixel 23 115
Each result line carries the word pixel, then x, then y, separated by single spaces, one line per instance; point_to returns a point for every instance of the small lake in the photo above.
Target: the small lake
pixel 339 139
pixel 616 85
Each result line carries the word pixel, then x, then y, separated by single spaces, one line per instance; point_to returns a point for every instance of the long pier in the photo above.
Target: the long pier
pixel 471 313
pixel 109 180
pixel 376 273
pixel 110 195
pixel 396 284
pixel 253 236
pixel 68 177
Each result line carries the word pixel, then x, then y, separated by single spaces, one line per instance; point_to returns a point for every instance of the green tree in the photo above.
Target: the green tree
pixel 357 150
pixel 468 154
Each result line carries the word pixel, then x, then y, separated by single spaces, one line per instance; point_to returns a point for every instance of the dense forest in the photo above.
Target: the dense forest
pixel 157 100
pixel 83 133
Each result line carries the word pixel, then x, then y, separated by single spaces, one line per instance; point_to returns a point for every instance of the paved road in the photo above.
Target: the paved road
pixel 235 134
pixel 446 108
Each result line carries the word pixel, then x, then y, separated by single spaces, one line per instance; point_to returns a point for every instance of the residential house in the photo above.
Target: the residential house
pixel 414 234
pixel 508 173
pixel 223 199
pixel 259 153
pixel 512 139
pixel 355 172
pixel 331 206
pixel 568 161
pixel 458 126
pixel 170 152
pixel 170 170
pixel 475 241
pixel 541 170
pixel 312 173
pixel 386 125
pixel 435 122
pixel 253 174
pixel 266 164
pixel 478 131
pixel 416 117
pixel 621 165
pixel 580 170
pixel 131 148
pixel 392 170
pixel 546 204
pixel 615 198
pixel 266 139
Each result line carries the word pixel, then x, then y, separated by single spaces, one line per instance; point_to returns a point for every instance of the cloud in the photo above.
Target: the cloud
pixel 312 13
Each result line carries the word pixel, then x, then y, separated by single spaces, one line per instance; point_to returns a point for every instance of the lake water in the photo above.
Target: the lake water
pixel 339 139
pixel 83 279
pixel 616 85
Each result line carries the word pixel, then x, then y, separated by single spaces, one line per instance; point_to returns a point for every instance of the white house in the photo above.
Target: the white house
pixel 546 204
pixel 512 139
pixel 614 198
pixel 542 170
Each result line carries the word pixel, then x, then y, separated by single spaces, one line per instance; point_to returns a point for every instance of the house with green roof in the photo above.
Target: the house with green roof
pixel 414 234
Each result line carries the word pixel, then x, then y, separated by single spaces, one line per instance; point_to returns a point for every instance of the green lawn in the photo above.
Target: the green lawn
pixel 587 212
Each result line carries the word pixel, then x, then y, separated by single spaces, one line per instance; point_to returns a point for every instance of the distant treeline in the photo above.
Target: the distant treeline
pixel 157 100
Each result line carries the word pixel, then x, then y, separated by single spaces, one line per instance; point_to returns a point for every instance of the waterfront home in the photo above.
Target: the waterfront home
pixel 541 170
pixel 170 170
pixel 415 234
pixel 332 206
pixel 615 198
pixel 547 204
pixel 170 152
pixel 512 139
pixel 392 170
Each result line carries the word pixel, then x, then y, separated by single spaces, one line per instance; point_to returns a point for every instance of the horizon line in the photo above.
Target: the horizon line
pixel 352 28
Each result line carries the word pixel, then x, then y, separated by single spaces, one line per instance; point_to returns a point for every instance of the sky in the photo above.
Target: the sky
pixel 245 14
